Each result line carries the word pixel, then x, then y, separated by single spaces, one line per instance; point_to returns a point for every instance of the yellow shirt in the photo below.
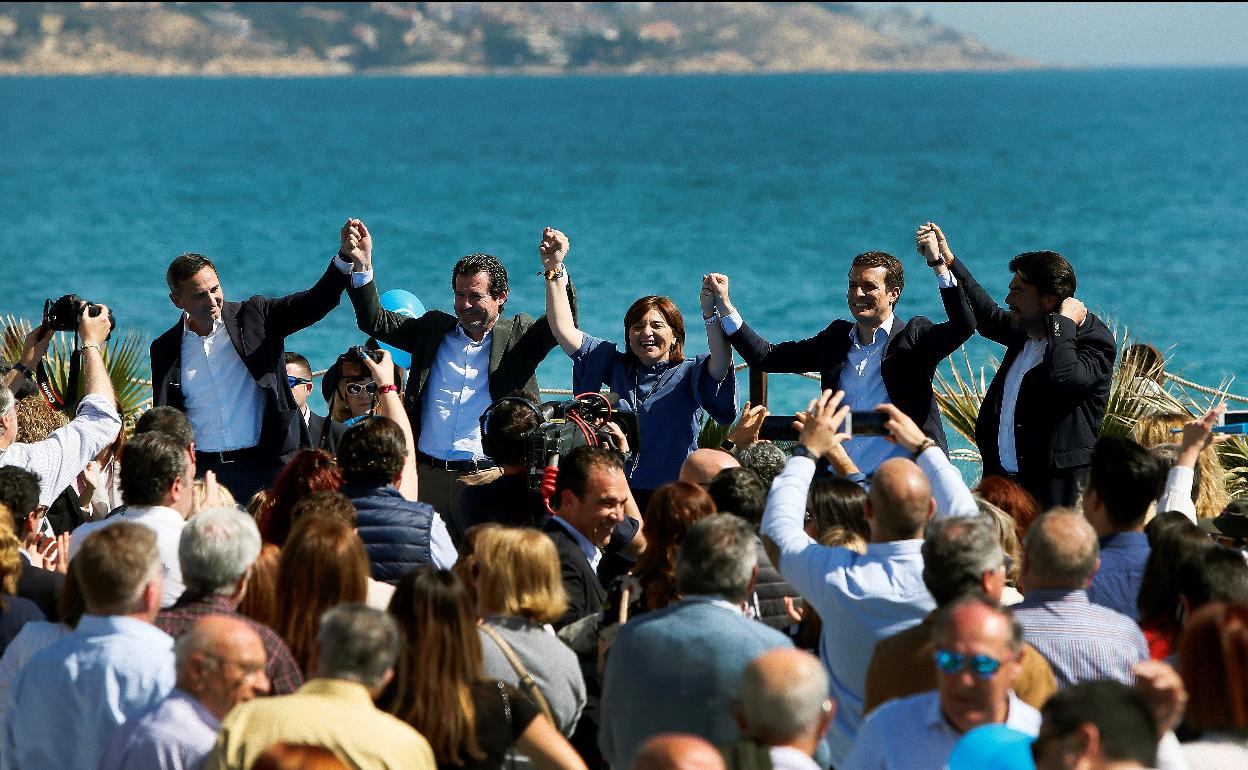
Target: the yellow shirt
pixel 335 713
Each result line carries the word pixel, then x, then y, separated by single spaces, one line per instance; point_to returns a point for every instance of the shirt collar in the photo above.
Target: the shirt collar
pixel 160 512
pixel 462 335
pixel 592 554
pixel 217 325
pixel 936 717
pixel 1042 595
pixel 886 327
pixel 717 601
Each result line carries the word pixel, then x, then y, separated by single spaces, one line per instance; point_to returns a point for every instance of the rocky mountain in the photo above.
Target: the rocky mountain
pixel 465 38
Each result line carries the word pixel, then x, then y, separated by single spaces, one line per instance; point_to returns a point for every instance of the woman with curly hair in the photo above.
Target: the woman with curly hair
pixel 470 722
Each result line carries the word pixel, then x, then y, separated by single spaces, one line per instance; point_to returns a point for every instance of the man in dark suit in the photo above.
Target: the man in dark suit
pixel 19 493
pixel 323 433
pixel 1041 415
pixel 461 363
pixel 222 363
pixel 876 359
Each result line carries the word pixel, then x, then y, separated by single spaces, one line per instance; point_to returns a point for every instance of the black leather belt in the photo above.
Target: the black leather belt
pixel 228 456
pixel 456 466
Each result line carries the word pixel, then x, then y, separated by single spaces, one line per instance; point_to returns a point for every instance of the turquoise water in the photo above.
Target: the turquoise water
pixel 1139 177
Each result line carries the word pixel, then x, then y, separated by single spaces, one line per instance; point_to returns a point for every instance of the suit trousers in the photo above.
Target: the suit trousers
pixel 442 488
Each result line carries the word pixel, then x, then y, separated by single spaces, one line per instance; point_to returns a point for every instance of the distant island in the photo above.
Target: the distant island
pixel 276 39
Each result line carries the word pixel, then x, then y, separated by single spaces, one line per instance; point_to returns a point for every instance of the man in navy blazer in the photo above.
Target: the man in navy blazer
pixel 876 359
pixel 678 669
pixel 222 363
pixel 1042 413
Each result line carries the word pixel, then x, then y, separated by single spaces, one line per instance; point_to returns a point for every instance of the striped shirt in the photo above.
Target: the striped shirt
pixel 1083 641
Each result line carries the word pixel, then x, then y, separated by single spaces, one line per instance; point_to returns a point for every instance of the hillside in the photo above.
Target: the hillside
pixel 465 38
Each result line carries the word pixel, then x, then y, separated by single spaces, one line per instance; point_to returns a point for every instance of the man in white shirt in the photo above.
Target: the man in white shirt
pixel 976 659
pixel 157 485
pixel 58 459
pixel 461 363
pixel 222 363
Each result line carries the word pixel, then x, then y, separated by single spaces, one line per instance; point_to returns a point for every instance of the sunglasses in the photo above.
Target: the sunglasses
pixel 355 388
pixel 294 382
pixel 982 666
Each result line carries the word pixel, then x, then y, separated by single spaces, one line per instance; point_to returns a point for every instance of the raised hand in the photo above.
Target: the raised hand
pixel 357 245
pixel 1074 310
pixel 902 430
pixel 553 248
pixel 94 329
pixel 718 284
pixel 381 369
pixel 821 430
pixel 745 432
pixel 927 243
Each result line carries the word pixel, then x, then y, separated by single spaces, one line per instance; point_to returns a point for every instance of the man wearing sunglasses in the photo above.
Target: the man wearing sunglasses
pixel 323 433
pixel 976 660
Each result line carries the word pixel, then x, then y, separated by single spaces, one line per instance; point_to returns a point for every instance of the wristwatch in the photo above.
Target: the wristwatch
pixel 801 451
pixel 727 445
pixel 923 446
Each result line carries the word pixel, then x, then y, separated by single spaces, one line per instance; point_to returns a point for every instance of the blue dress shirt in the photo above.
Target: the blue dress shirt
pixel 1117 583
pixel 77 691
pixel 176 735
pixel 668 400
pixel 1081 640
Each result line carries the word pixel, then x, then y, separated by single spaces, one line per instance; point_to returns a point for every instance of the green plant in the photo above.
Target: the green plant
pixel 125 356
pixel 712 434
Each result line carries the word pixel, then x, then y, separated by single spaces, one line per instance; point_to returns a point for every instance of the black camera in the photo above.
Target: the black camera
pixel 565 425
pixel 360 352
pixel 63 315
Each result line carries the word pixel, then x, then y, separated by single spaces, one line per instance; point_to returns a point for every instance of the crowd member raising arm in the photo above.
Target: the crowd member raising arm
pixel 652 376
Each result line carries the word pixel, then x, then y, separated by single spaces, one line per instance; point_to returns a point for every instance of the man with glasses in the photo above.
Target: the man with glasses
pixel 977 662
pixel 323 433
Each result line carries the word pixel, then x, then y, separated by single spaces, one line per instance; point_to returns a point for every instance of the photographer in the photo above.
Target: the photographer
pixel 59 459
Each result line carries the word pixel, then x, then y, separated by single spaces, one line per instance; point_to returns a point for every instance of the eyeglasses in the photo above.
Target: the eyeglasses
pixel 982 666
pixel 293 381
pixel 355 388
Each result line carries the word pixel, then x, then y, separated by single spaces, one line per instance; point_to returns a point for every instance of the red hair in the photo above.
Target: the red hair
pixel 1214 659
pixel 311 470
pixel 672 510
pixel 1010 497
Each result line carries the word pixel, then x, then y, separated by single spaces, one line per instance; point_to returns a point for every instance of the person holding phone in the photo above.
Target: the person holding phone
pixel 668 391
pixel 878 358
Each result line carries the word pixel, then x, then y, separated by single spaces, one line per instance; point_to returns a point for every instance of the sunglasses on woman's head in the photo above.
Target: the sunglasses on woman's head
pixel 355 388
pixel 982 666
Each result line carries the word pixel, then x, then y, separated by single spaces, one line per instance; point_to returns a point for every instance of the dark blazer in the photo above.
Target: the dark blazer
pixel 1061 401
pixel 324 433
pixel 41 586
pixel 913 351
pixel 586 595
pixel 517 345
pixel 258 328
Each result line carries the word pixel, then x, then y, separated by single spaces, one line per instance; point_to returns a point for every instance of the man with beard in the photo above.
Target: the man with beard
pixel 1040 416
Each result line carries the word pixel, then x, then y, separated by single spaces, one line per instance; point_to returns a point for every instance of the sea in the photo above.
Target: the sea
pixel 1139 177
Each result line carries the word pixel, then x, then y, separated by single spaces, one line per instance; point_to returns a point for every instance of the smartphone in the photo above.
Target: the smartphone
pixel 778 427
pixel 1235 417
pixel 865 424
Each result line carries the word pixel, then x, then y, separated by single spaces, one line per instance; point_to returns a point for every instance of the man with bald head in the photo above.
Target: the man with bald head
pixel 783 711
pixel 677 751
pixel 702 465
pixel 1082 641
pixel 976 660
pixel 862 598
pixel 220 663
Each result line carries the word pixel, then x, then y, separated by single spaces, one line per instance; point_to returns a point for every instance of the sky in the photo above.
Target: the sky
pixel 1105 34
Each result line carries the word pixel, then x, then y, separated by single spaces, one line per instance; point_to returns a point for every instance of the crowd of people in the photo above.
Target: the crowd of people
pixel 442 572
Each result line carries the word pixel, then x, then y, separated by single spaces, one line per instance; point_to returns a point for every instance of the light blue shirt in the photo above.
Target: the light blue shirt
pixel 593 554
pixel 912 734
pixel 862 598
pixel 456 395
pixel 176 735
pixel 77 691
pixel 864 391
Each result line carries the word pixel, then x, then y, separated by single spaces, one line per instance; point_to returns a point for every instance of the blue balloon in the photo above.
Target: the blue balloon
pixel 403 302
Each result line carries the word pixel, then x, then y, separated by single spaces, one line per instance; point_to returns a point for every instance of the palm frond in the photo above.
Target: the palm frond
pixel 1233 455
pixel 712 434
pixel 960 395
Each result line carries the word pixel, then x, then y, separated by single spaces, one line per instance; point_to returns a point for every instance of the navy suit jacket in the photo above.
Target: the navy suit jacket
pixel 1061 401
pixel 258 329
pixel 586 595
pixel 911 355
pixel 677 670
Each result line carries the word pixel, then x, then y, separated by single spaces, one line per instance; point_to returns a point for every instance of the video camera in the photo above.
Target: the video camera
pixel 63 315
pixel 564 426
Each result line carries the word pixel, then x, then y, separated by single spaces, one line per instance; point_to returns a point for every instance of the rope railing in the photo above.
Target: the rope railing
pixel 1208 391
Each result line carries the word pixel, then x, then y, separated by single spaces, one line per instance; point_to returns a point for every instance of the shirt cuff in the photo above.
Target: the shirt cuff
pixel 731 323
pixel 947 280
pixel 357 279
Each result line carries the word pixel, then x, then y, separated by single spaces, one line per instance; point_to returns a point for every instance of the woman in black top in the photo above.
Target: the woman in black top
pixel 439 689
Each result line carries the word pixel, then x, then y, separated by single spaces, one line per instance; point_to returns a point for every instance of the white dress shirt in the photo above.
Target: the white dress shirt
pixel 59 458
pixel 1028 358
pixel 223 402
pixel 789 758
pixel 166 523
pixel 457 393
pixel 592 554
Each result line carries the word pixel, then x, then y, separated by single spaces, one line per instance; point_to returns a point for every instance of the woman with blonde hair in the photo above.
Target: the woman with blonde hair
pixel 519 594
pixel 1210 477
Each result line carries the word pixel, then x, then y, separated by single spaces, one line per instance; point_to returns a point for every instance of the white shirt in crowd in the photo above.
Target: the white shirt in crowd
pixel 58 459
pixel 166 523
